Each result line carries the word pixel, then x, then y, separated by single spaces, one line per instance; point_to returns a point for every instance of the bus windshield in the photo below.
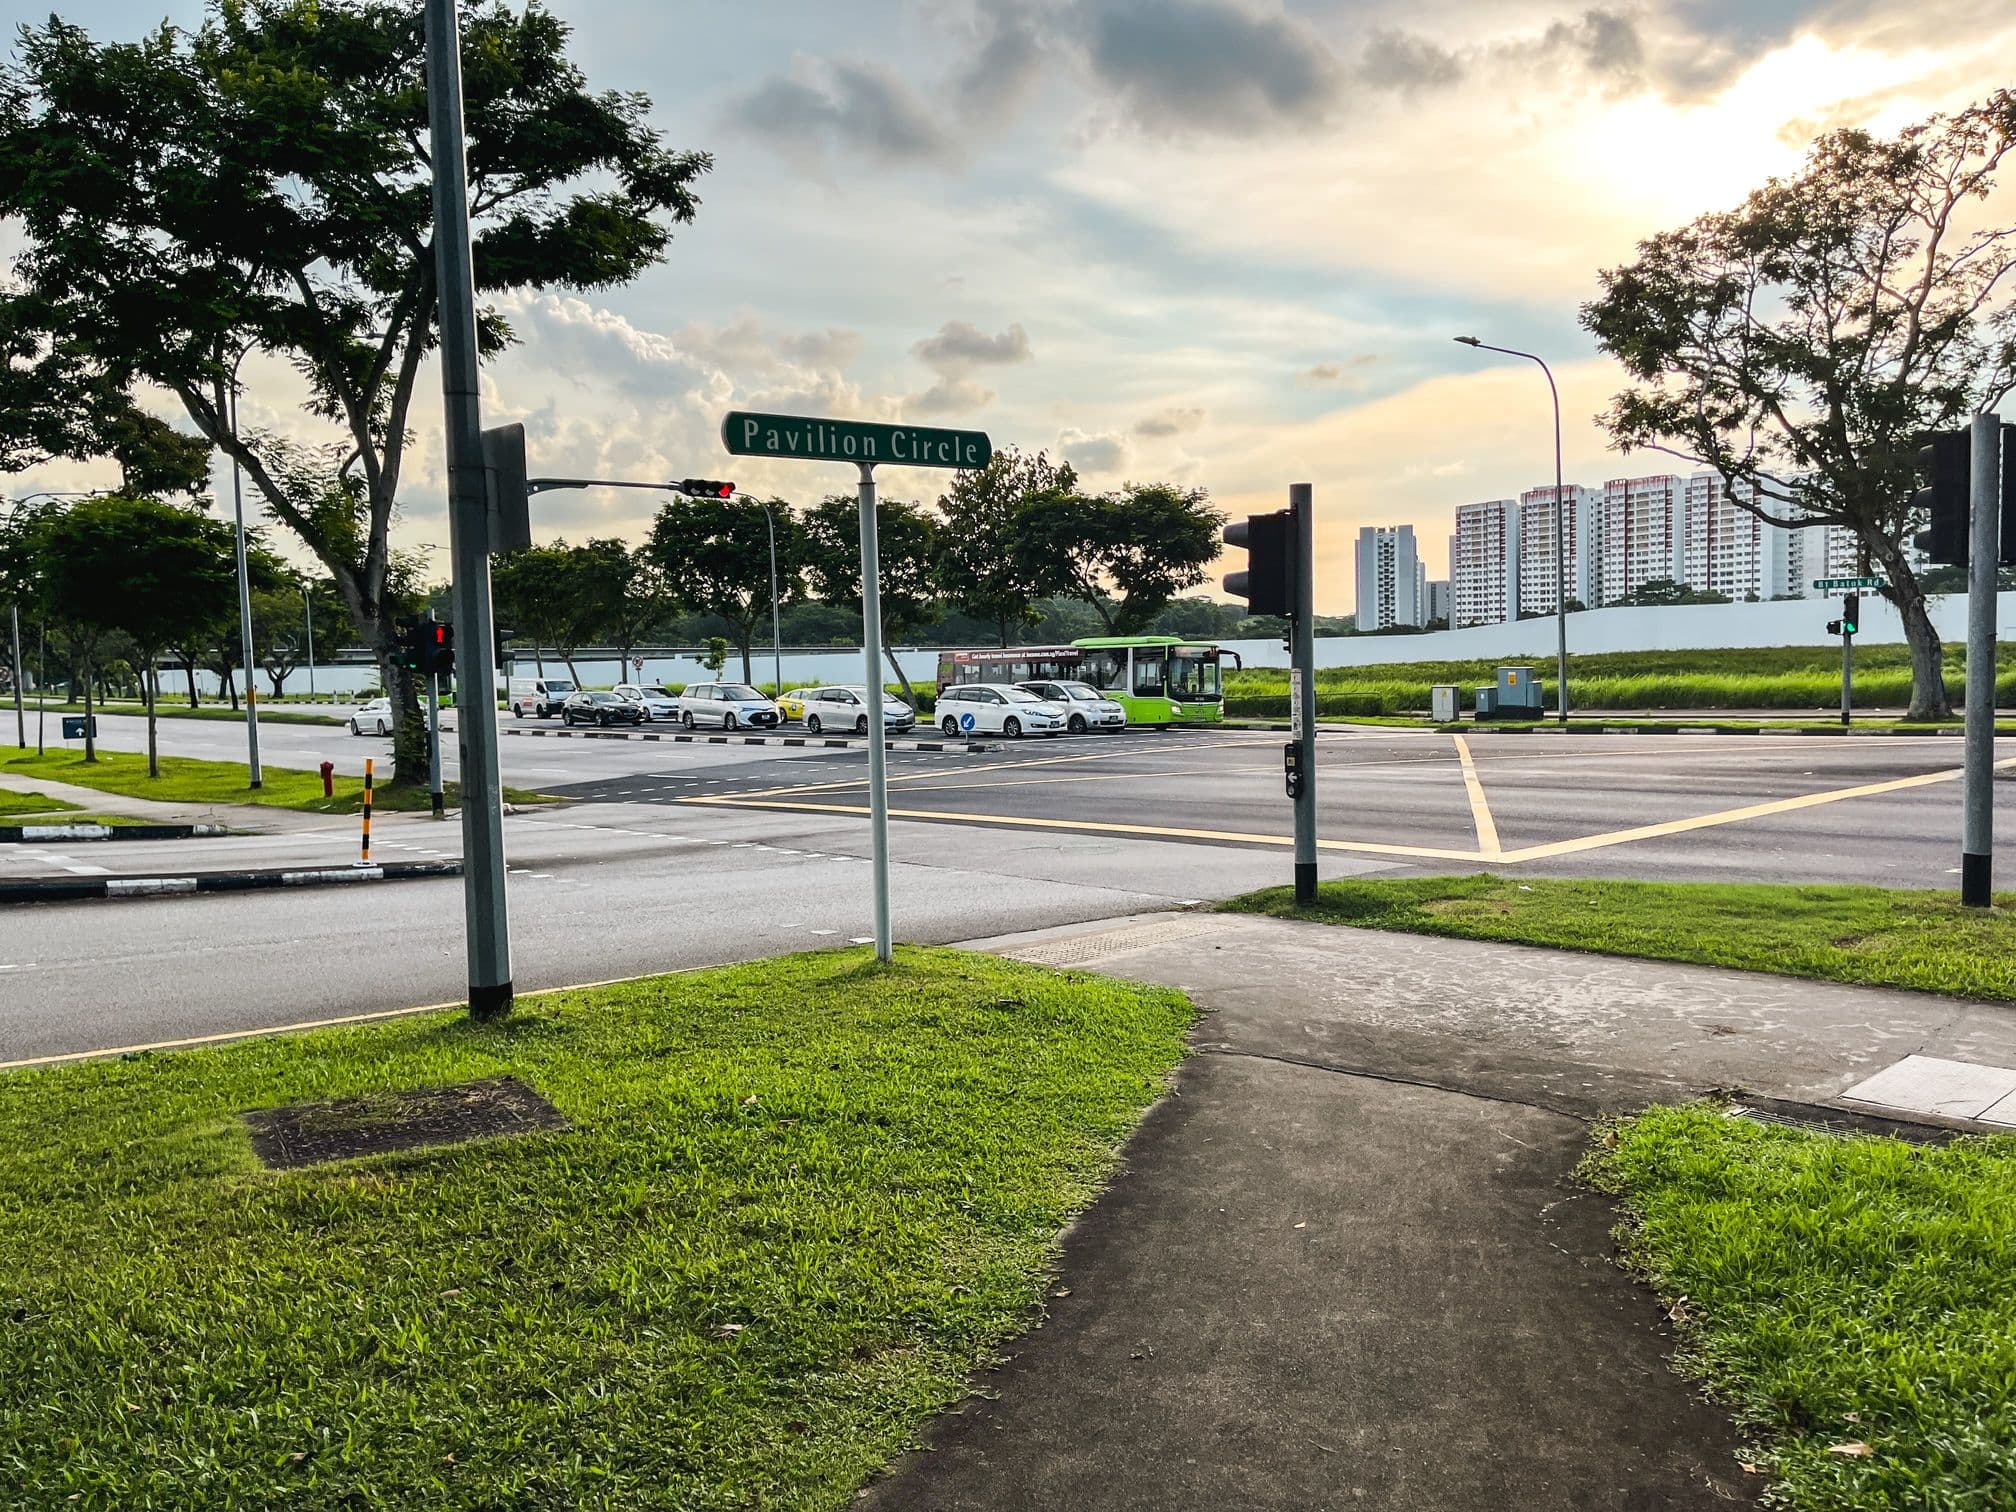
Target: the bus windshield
pixel 1193 674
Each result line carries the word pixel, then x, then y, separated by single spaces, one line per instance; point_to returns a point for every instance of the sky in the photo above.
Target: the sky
pixel 1223 243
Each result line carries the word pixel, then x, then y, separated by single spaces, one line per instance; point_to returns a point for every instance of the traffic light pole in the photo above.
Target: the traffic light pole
pixel 1302 509
pixel 1977 834
pixel 485 908
pixel 434 796
pixel 878 756
pixel 1847 675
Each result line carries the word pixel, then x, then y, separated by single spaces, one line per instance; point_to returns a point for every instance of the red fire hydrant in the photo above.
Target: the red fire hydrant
pixel 328 779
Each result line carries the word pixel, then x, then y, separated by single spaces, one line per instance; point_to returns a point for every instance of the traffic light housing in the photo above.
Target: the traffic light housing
pixel 2007 555
pixel 706 488
pixel 1943 467
pixel 498 635
pixel 1851 614
pixel 1268 583
pixel 439 640
pixel 509 496
pixel 411 642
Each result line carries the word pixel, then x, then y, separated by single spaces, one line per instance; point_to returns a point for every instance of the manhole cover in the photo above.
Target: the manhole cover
pixel 1078 950
pixel 311 1133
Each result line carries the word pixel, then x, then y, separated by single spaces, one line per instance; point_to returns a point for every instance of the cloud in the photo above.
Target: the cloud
pixel 960 346
pixel 1403 61
pixel 1090 452
pixel 1169 422
pixel 948 396
pixel 843 106
pixel 1180 64
pixel 832 347
pixel 1005 66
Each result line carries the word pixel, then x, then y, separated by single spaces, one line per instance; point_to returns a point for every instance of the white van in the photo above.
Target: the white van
pixel 540 697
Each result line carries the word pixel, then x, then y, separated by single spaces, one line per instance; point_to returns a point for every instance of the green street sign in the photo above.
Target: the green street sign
pixel 1823 584
pixel 814 440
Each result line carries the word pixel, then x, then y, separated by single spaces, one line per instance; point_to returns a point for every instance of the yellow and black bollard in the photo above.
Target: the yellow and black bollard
pixel 365 858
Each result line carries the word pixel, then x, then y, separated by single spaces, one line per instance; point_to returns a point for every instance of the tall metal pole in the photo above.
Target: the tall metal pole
pixel 308 608
pixel 878 759
pixel 435 799
pixel 253 774
pixel 1847 676
pixel 485 906
pixel 20 715
pixel 1560 560
pixel 1302 510
pixel 1977 832
pixel 776 643
pixel 41 683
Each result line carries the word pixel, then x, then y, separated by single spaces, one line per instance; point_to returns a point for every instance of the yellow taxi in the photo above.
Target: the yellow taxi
pixel 791 706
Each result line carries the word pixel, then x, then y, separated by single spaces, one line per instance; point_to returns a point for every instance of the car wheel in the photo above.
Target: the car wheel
pixel 686 720
pixel 517 711
pixel 355 728
pixel 1077 724
pixel 1012 727
pixel 812 724
pixel 950 727
pixel 728 721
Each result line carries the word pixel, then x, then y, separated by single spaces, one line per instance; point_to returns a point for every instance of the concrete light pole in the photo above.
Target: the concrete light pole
pixel 1560 531
pixel 254 778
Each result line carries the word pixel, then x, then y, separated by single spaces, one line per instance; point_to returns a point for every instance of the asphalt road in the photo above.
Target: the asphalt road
pixel 672 855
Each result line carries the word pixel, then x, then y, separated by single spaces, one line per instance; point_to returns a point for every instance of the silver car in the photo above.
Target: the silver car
pixel 841 708
pixel 1086 708
pixel 726 706
pixel 659 703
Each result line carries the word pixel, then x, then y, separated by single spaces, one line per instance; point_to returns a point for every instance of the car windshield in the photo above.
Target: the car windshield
pixel 654 692
pixel 1021 695
pixel 603 698
pixel 1081 693
pixel 1193 674
pixel 739 691
pixel 559 687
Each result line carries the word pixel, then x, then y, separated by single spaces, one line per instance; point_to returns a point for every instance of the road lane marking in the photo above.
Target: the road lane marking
pixel 937 770
pixel 1091 826
pixel 1555 848
pixel 1480 811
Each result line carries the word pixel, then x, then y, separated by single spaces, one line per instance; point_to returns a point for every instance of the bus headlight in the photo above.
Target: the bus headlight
pixel 1175 711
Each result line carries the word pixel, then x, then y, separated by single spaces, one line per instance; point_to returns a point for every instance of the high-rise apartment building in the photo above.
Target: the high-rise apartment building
pixel 1438 601
pixel 1731 551
pixel 1536 591
pixel 1641 536
pixel 1484 563
pixel 1392 583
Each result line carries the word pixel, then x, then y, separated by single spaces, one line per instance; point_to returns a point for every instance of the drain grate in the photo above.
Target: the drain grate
pixel 313 1133
pixel 1081 949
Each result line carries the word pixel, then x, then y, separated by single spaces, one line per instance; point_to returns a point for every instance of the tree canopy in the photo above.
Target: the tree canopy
pixel 715 555
pixel 1125 554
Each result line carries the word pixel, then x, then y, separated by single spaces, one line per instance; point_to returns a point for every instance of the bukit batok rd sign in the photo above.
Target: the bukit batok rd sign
pixel 748 435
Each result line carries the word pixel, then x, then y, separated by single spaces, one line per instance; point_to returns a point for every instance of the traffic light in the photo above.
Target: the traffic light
pixel 412 643
pixel 510 498
pixel 1268 583
pixel 440 644
pixel 1943 466
pixel 706 488
pixel 1851 614
pixel 499 635
pixel 2007 555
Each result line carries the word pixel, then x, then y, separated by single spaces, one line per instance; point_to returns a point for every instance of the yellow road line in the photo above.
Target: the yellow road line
pixel 1732 816
pixel 1089 826
pixel 1480 811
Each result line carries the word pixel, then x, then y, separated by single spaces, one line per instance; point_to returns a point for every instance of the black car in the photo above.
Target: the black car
pixel 603 709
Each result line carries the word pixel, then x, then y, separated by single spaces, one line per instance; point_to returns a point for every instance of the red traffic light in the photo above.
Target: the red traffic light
pixel 706 488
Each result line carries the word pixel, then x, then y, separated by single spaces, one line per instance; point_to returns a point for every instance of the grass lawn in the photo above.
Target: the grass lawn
pixel 13 805
pixel 186 779
pixel 267 711
pixel 797 1202
pixel 1873 935
pixel 1849 1297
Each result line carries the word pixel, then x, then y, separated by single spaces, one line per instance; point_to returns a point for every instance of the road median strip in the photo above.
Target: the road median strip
pixel 74 889
pixel 36 834
pixel 836 742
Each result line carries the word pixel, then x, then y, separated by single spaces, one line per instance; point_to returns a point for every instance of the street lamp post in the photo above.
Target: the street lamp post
pixel 308 609
pixel 776 642
pixel 244 591
pixel 1560 532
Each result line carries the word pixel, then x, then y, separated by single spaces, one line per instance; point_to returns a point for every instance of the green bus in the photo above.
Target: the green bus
pixel 1159 680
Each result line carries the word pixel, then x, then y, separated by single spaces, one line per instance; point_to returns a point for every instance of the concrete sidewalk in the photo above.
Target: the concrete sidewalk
pixel 1347 1264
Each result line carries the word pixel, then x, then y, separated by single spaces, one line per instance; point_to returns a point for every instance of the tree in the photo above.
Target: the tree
pixel 1125 554
pixel 1662 592
pixel 625 594
pixel 150 569
pixel 541 592
pixel 983 568
pixel 715 656
pixel 264 182
pixel 906 551
pixel 1801 344
pixel 715 555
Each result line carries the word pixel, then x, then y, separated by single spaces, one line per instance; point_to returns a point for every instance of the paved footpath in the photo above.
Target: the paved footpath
pixel 1347 1266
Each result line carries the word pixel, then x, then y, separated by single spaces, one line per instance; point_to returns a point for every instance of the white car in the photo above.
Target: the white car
pixel 1085 707
pixel 540 697
pixel 659 703
pixel 997 709
pixel 727 705
pixel 373 718
pixel 847 709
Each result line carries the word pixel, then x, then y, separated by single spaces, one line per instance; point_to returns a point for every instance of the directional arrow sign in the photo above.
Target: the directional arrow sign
pixel 815 440
pixel 1824 584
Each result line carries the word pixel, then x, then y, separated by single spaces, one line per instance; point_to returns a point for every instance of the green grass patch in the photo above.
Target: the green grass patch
pixel 224 713
pixel 187 779
pixel 13 804
pixel 1849 1297
pixel 1880 937
pixel 797 1202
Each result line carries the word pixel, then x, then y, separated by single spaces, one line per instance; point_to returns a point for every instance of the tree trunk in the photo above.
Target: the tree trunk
pixel 1928 662
pixel 409 729
pixel 90 740
pixel 748 672
pixel 568 657
pixel 189 666
pixel 909 693
pixel 149 692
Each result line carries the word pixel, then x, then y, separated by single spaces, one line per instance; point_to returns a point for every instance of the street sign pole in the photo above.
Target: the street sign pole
pixel 1977 832
pixel 486 913
pixel 1847 672
pixel 435 800
pixel 1302 508
pixel 878 756
pixel 20 718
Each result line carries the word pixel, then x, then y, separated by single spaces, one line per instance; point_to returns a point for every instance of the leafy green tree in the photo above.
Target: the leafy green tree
pixel 1126 554
pixel 625 592
pixel 906 550
pixel 540 592
pixel 1801 344
pixel 715 657
pixel 984 568
pixel 150 569
pixel 715 557
pixel 1658 593
pixel 263 182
